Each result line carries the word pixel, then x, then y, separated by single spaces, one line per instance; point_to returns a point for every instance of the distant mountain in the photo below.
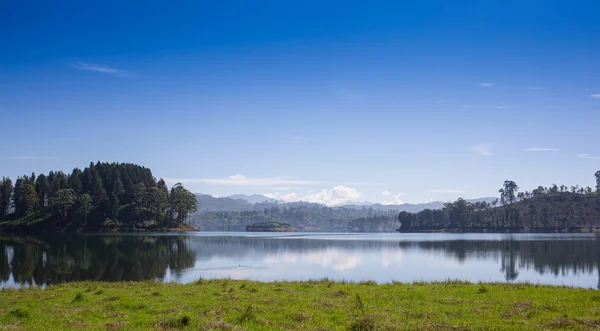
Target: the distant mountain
pixel 240 202
pixel 413 208
pixel 209 203
pixel 486 199
pixel 254 198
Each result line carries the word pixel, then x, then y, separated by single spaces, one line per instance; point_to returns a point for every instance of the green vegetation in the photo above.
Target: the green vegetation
pixel 545 209
pixel 270 227
pixel 313 305
pixel 302 216
pixel 382 223
pixel 102 196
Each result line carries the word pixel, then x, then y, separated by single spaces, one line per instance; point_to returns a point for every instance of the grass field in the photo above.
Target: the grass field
pixel 312 305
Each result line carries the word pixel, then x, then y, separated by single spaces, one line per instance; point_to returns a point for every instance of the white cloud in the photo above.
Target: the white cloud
pixel 101 69
pixel 486 84
pixel 501 107
pixel 587 156
pixel 481 149
pixel 288 197
pixel 538 149
pixel 241 180
pixel 446 191
pixel 595 96
pixel 336 196
pixel 534 88
pixel 391 198
pixel 394 200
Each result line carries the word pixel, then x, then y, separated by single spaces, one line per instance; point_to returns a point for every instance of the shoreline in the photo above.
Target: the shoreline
pixel 225 304
pixel 34 231
pixel 104 230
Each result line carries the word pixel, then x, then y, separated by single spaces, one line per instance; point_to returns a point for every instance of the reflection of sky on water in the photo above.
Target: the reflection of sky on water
pixel 319 256
pixel 537 258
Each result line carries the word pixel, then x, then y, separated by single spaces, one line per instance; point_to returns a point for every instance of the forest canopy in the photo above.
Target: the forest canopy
pixel 544 209
pixel 103 195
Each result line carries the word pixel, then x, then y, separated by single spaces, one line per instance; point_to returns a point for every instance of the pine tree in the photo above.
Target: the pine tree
pixel 6 190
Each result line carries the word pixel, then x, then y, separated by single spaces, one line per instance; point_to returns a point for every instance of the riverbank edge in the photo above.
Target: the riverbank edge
pixel 225 304
pixel 32 231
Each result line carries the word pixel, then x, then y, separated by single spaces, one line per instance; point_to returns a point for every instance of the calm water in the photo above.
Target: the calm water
pixel 570 259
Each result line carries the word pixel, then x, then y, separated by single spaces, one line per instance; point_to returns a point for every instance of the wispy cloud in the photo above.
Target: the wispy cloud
pixel 501 107
pixel 101 69
pixel 446 191
pixel 241 180
pixel 486 84
pixel 481 149
pixel 533 88
pixel 538 149
pixel 587 156
pixel 595 96
pixel 21 157
pixel 362 183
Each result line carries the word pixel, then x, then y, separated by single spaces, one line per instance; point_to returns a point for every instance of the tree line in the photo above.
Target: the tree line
pixel 103 195
pixel 554 208
pixel 310 217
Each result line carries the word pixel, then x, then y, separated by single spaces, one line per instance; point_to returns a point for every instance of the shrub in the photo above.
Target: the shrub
pixel 180 321
pixel 78 298
pixel 19 313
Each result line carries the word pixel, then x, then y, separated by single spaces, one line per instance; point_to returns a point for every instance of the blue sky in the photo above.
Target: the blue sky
pixel 322 101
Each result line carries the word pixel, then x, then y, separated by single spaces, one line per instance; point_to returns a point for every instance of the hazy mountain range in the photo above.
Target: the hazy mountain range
pixel 240 202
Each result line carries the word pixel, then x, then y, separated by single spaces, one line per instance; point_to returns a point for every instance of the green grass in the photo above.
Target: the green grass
pixel 312 305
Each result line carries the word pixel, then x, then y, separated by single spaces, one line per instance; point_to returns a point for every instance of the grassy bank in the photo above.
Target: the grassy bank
pixel 319 305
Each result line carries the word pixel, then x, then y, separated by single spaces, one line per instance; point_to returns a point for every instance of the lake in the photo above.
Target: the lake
pixel 561 259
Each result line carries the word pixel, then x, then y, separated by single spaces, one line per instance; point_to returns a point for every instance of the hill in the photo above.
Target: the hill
pixel 541 210
pixel 209 203
pixel 253 199
pixel 102 196
pixel 228 214
pixel 408 207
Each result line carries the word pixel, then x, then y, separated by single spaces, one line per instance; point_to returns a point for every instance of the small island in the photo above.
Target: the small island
pixel 270 227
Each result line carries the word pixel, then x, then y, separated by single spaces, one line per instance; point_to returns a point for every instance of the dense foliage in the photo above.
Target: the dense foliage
pixel 269 226
pixel 380 223
pixel 103 195
pixel 310 217
pixel 555 208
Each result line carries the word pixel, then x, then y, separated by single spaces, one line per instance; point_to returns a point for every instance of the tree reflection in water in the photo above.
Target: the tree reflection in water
pixel 61 258
pixel 66 258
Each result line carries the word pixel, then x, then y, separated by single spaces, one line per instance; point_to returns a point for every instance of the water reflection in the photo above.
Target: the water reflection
pixel 62 258
pixel 559 259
